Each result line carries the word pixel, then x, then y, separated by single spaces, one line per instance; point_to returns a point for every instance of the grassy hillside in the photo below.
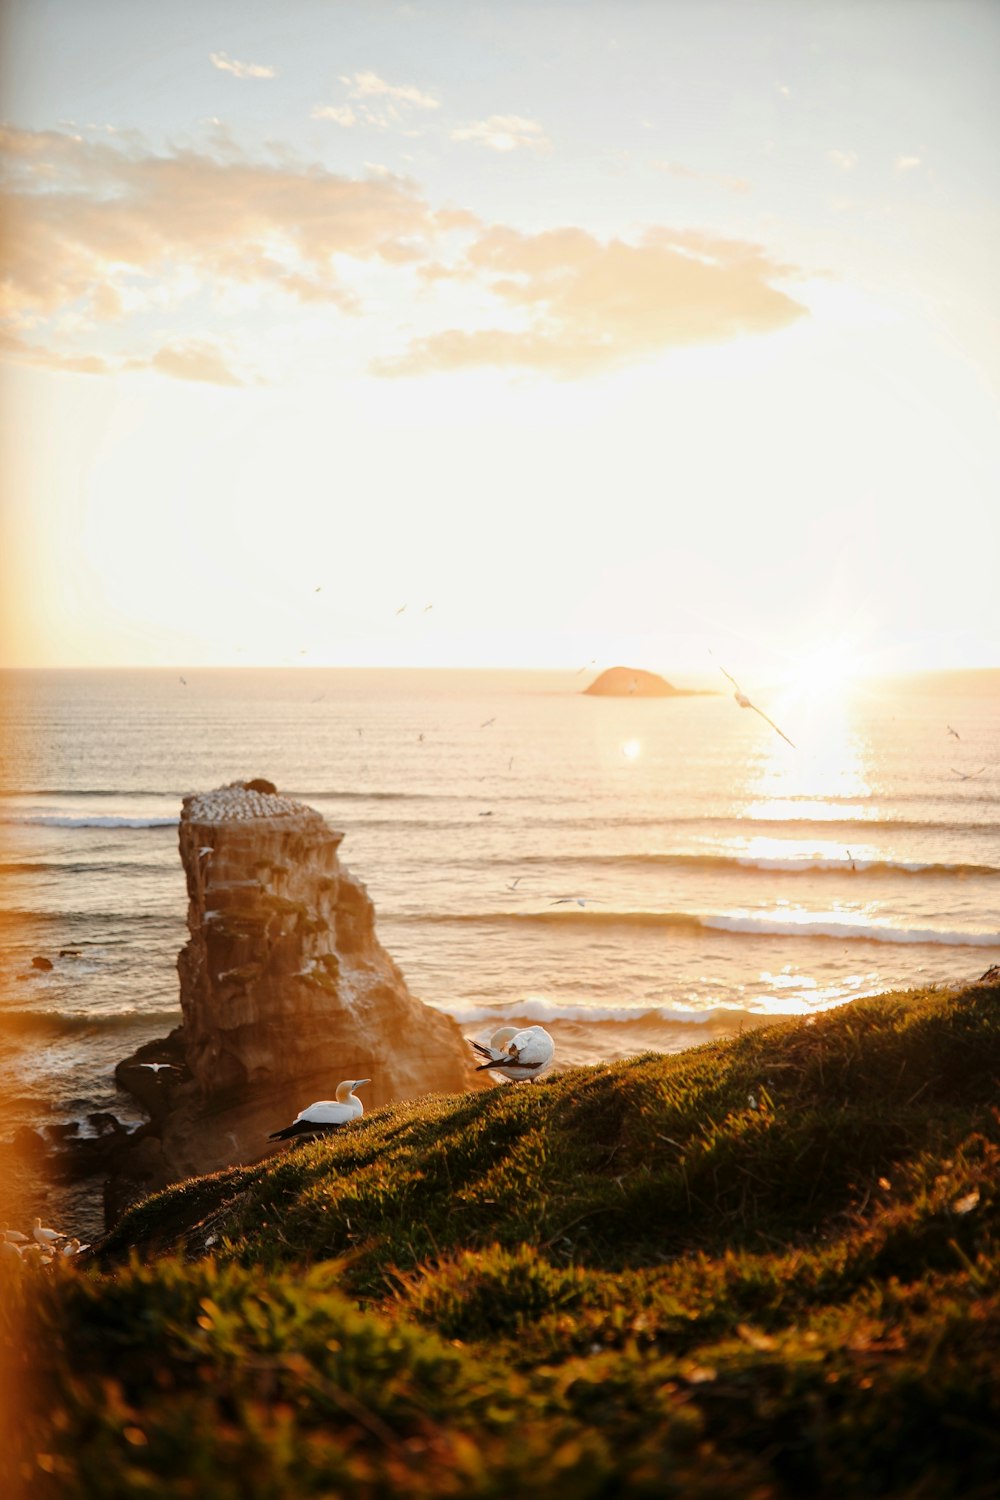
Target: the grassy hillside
pixel 766 1267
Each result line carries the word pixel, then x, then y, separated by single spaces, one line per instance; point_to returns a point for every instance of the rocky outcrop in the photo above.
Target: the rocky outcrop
pixel 632 682
pixel 284 988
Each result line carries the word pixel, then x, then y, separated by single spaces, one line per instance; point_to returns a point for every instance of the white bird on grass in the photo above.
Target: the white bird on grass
pixel 326 1114
pixel 744 702
pixel 518 1054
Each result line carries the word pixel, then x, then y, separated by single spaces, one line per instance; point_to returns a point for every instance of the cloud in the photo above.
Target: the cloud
pixel 20 352
pixel 589 305
pixel 78 217
pixel 846 161
pixel 504 133
pixel 227 64
pixel 341 114
pixel 907 163
pixel 370 85
pixel 196 360
pixel 102 233
pixel 677 169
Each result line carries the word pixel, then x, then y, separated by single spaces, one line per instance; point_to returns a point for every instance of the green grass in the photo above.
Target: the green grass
pixel 765 1267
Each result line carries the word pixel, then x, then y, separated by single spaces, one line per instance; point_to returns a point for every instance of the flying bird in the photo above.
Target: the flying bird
pixel 519 1055
pixel 156 1067
pixel 577 900
pixel 744 702
pixel 969 775
pixel 401 609
pixel 326 1114
pixel 512 885
pixel 183 680
pixel 487 722
pixel 953 731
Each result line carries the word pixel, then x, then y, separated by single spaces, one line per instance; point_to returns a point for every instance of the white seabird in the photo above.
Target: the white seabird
pixel 517 1054
pixel 744 702
pixel 46 1236
pixel 326 1114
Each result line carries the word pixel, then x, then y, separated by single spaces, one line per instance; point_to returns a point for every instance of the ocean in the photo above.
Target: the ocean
pixel 631 873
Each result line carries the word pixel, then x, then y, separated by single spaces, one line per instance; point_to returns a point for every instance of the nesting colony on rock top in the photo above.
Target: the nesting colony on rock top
pixel 241 800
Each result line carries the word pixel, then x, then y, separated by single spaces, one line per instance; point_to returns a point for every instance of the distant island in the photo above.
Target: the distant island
pixel 632 682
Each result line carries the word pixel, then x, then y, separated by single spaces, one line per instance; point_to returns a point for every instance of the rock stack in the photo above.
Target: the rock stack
pixel 284 988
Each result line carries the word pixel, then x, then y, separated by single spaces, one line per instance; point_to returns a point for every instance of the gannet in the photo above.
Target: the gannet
pixel 326 1114
pixel 46 1236
pixel 744 702
pixel 517 1054
pixel 15 1237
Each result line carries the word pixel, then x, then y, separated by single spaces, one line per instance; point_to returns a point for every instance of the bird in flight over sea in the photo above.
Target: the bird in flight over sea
pixel 969 775
pixel 744 702
pixel 426 608
pixel 401 609
pixel 519 1055
pixel 512 885
pixel 155 1067
pixel 487 722
pixel 953 731
pixel 326 1114
pixel 183 680
pixel 576 900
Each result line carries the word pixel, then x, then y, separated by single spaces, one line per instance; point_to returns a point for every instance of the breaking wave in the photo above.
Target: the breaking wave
pixel 64 820
pixel 803 864
pixel 745 925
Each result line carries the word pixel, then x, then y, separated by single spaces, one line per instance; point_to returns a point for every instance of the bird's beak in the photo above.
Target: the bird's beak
pixel 359 1081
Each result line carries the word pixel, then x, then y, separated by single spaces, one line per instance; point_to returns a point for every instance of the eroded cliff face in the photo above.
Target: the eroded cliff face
pixel 285 990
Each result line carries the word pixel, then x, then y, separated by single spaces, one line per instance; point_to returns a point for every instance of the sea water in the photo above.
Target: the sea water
pixel 630 873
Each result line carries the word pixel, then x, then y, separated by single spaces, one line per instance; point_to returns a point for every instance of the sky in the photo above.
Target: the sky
pixel 500 334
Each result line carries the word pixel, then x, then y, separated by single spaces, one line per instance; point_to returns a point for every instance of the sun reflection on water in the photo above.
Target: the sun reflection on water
pixel 826 778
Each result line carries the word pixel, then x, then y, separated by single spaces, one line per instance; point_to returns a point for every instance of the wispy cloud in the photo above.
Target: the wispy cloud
pixel 340 114
pixel 105 232
pixel 196 360
pixel 588 305
pixel 227 64
pixel 677 169
pixel 844 161
pixel 371 86
pixel 504 133
pixel 98 231
pixel 907 163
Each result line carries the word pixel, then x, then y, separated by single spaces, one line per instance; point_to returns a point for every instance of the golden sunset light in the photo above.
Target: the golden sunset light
pixel 666 382
pixel 499 749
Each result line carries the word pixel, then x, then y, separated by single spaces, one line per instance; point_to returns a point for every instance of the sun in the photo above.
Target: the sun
pixel 827 670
